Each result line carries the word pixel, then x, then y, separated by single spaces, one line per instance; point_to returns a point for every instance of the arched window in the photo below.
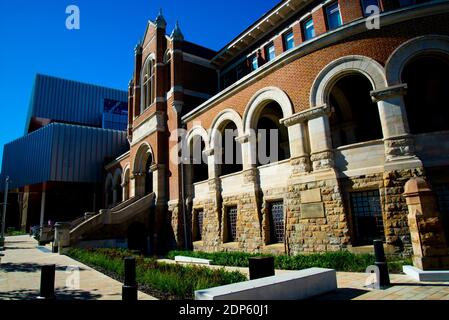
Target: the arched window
pixel 427 95
pixel 148 87
pixel 272 137
pixel 167 62
pixel 355 117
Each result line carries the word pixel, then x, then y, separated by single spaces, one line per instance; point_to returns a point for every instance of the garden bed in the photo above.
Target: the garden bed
pixel 341 261
pixel 161 280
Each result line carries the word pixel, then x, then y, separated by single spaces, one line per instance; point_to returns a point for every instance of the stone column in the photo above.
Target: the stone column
pixel 212 208
pixel 62 236
pixel 158 172
pixel 43 197
pixel 399 144
pixel 248 143
pixel 299 151
pixel 132 186
pixel 430 251
pixel 321 153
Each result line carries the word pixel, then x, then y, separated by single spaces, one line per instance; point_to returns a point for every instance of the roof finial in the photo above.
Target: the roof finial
pixel 177 33
pixel 160 21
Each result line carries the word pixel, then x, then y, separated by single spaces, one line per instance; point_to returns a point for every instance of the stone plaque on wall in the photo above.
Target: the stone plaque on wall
pixel 312 210
pixel 311 196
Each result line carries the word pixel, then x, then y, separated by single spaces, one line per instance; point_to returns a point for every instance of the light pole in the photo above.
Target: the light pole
pixel 5 200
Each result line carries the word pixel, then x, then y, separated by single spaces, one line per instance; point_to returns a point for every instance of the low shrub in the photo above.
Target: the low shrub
pixel 162 280
pixel 340 260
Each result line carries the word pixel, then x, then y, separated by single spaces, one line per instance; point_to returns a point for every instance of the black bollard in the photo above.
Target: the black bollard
pixel 381 263
pixel 47 290
pixel 261 267
pixel 129 289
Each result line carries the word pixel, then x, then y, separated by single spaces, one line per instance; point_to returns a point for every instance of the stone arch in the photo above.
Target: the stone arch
pixel 142 154
pixel 260 100
pixel 220 119
pixel 253 113
pixel 227 119
pixel 126 181
pixel 142 164
pixel 335 70
pixel 407 51
pixel 198 130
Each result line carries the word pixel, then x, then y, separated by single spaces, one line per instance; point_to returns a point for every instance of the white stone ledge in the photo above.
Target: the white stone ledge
pixel 295 285
pixel 426 276
pixel 182 259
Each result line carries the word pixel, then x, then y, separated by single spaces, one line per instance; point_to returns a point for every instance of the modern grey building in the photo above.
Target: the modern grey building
pixel 56 168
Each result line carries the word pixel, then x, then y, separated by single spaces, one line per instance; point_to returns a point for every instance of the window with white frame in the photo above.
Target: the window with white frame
pixel 270 52
pixel 308 29
pixel 333 16
pixel 148 84
pixel 289 41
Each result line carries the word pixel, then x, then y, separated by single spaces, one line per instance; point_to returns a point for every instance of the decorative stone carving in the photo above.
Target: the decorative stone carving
pixel 300 165
pixel 306 115
pixel 399 147
pixel 322 160
pixel 386 93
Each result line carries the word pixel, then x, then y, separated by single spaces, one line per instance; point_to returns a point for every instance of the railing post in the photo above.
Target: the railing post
pixel 47 289
pixel 381 263
pixel 129 289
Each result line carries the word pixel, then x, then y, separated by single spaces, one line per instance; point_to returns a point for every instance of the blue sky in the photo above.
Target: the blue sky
pixel 34 39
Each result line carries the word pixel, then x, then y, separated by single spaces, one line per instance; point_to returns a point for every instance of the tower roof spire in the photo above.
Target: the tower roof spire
pixel 160 20
pixel 177 33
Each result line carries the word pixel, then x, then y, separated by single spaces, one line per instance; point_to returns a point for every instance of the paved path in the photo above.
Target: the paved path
pixel 20 274
pixel 351 286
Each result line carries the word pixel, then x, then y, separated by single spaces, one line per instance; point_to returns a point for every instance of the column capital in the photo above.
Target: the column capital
pixel 389 92
pixel 177 106
pixel 242 139
pixel 209 152
pixel 306 115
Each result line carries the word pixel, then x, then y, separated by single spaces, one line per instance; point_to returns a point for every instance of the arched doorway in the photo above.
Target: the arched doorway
pixel 272 137
pixel 355 117
pixel 142 168
pixel 137 236
pixel 427 95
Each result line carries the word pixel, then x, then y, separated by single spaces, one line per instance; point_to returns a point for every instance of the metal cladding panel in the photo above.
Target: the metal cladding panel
pixel 70 101
pixel 61 152
pixel 79 152
pixel 27 160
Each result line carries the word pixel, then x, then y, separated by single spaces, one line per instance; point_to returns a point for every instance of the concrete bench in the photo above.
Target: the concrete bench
pixel 295 285
pixel 182 259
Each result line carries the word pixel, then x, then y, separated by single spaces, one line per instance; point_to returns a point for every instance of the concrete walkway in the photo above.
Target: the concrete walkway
pixel 20 275
pixel 352 286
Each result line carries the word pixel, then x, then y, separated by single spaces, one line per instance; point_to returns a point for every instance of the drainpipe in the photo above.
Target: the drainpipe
pixel 183 207
pixel 5 201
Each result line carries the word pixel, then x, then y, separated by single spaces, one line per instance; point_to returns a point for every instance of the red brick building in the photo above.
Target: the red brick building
pixel 355 99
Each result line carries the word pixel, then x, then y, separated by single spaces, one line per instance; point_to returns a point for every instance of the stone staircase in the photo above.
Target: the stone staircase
pixel 121 213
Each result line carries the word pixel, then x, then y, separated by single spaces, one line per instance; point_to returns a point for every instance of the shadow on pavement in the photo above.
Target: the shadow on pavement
pixel 28 267
pixel 60 293
pixel 342 294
